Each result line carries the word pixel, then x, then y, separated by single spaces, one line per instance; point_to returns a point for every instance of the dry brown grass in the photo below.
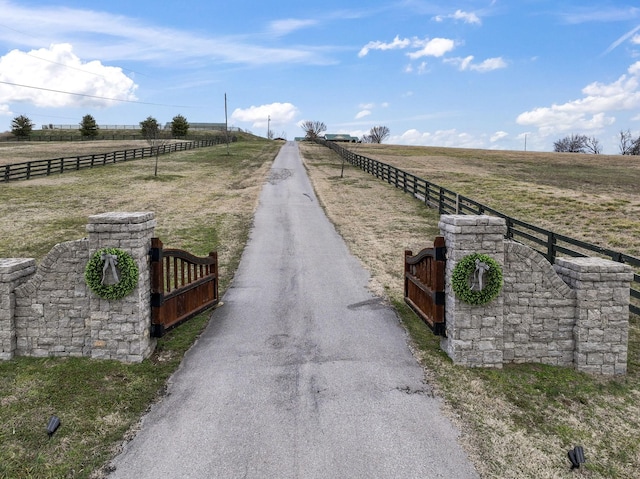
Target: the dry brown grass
pixel 203 200
pixel 518 422
pixel 595 198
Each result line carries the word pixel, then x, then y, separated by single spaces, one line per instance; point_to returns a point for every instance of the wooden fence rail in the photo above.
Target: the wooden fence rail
pixel 546 242
pixel 34 169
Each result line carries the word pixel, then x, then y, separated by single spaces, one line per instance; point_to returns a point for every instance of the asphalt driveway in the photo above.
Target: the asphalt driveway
pixel 302 373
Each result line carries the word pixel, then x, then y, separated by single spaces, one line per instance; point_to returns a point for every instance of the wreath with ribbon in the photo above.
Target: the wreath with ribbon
pixel 117 264
pixel 477 279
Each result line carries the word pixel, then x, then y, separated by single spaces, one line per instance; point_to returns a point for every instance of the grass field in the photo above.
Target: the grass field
pixel 516 423
pixel 521 421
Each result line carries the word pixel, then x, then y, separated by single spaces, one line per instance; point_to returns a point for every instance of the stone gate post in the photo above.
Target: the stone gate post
pixel 120 329
pixel 13 273
pixel 475 334
pixel 601 328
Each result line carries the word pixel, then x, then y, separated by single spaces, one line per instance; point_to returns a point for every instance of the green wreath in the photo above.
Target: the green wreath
pixel 462 275
pixel 119 262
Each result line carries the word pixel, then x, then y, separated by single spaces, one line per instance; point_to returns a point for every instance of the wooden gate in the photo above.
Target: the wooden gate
pixel 424 291
pixel 182 286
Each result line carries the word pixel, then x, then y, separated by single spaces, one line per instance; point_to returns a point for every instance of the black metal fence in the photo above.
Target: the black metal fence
pixel 34 169
pixel 546 242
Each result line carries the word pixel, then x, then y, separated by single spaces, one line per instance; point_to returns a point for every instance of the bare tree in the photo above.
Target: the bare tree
pixel 577 144
pixel 150 129
pixel 592 145
pixel 629 145
pixel 378 134
pixel 313 129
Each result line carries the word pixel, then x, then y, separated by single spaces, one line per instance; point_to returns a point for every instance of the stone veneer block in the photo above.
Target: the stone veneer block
pixel 574 313
pixel 50 311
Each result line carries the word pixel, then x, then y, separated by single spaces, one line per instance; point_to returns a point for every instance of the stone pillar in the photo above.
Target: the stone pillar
pixel 474 333
pixel 120 329
pixel 13 273
pixel 602 312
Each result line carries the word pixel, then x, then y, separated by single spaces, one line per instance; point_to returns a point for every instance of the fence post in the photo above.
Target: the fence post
pixel 509 234
pixel 551 247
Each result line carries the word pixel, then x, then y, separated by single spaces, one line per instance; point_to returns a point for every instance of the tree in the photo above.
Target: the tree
pixel 577 144
pixel 88 127
pixel 150 129
pixel 313 129
pixel 179 126
pixel 629 145
pixel 378 134
pixel 21 126
pixel 592 145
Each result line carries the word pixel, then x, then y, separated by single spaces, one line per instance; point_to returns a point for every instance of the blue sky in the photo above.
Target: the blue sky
pixel 480 74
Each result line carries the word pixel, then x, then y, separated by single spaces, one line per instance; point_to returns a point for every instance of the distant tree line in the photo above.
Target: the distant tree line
pixel 22 127
pixel 573 143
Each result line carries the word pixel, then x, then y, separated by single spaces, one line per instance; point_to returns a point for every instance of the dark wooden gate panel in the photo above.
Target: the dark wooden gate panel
pixel 182 286
pixel 424 289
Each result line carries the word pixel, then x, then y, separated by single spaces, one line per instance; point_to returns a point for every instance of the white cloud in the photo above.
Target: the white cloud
pixel 630 34
pixel 397 43
pixel 592 112
pixel 487 65
pixel 636 40
pixel 435 47
pixel 490 64
pixel 289 25
pixel 498 135
pixel 259 116
pixel 466 17
pixel 450 138
pixel 59 68
pixel 366 109
pixel 5 111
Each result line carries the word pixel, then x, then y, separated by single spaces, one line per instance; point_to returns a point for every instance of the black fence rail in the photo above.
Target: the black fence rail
pixel 34 169
pixel 546 242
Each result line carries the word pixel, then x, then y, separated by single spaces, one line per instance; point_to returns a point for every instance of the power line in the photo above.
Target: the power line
pixel 93 96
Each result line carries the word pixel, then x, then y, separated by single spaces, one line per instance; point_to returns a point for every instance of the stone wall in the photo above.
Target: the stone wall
pixel 50 311
pixel 574 313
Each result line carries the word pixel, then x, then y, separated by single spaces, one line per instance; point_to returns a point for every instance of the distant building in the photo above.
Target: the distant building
pixel 342 137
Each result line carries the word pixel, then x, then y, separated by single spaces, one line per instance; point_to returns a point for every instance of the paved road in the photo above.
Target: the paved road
pixel 302 373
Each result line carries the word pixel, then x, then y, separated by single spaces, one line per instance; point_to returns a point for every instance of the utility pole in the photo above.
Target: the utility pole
pixel 269 127
pixel 226 126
